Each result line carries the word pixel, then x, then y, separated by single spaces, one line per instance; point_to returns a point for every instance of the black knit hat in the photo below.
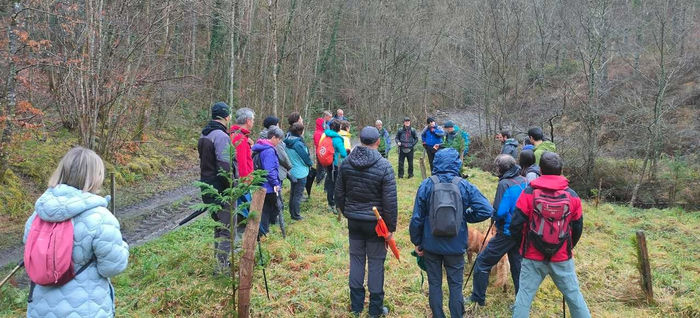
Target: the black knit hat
pixel 430 120
pixel 270 120
pixel 220 110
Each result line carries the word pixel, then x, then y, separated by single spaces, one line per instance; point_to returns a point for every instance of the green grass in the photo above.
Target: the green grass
pixel 307 272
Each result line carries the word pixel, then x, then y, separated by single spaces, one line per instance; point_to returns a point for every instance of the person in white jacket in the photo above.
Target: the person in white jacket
pixel 72 194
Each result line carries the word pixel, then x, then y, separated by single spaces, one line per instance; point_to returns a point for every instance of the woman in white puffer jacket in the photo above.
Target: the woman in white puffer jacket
pixel 72 195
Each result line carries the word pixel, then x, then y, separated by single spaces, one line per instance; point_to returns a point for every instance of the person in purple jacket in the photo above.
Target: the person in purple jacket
pixel 265 158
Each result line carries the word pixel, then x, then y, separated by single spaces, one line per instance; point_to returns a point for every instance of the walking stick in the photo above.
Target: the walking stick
pixel 482 244
pixel 281 214
pixel 262 264
pixel 563 303
pixel 19 265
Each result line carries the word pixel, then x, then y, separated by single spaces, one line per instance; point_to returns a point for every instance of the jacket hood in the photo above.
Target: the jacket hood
pixel 213 125
pixel 534 168
pixel 512 173
pixel 547 146
pixel 344 133
pixel 511 142
pixel 550 182
pixel 319 123
pixel 63 202
pixel 363 157
pixel 331 133
pixel 262 144
pixel 291 140
pixel 235 128
pixel 447 162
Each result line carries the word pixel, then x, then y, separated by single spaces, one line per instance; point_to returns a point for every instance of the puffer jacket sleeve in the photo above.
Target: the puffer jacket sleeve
pixel 389 204
pixel 111 251
pixel 340 189
pixel 28 225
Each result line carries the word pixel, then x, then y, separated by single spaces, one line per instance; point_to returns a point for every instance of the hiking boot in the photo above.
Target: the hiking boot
pixel 298 218
pixel 385 311
pixel 410 176
pixel 471 306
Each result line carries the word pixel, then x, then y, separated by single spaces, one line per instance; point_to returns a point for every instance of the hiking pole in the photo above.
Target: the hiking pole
pixel 563 304
pixel 482 245
pixel 262 264
pixel 19 265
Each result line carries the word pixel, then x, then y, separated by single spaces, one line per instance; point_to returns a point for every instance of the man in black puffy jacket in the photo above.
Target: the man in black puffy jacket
pixel 366 180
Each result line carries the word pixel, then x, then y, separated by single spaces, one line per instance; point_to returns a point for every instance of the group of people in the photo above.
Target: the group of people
pixel 538 218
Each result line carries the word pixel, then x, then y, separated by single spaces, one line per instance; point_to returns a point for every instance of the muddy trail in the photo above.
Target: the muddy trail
pixel 140 222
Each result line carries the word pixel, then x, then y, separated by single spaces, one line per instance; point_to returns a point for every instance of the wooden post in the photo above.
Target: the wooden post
pixel 644 266
pixel 112 189
pixel 248 258
pixel 423 174
pixel 600 188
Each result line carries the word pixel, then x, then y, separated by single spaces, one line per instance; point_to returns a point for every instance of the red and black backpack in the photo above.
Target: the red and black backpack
pixel 549 226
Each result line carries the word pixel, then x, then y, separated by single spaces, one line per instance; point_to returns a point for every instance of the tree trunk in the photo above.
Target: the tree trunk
pixel 232 62
pixel 272 5
pixel 635 191
pixel 11 98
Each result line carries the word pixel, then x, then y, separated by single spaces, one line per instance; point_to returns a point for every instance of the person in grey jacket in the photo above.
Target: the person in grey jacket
pixel 285 163
pixel 510 145
pixel 366 180
pixel 97 240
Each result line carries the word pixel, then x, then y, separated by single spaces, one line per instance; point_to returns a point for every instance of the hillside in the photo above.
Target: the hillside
pixel 307 273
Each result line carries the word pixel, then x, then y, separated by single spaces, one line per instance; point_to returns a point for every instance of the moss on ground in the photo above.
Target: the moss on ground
pixel 307 272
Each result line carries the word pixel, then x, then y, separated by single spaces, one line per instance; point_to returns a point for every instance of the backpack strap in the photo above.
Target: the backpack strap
pixel 456 180
pixel 435 179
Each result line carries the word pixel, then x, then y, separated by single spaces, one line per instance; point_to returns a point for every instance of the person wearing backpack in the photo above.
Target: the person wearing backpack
pixel 530 170
pixel 320 129
pixel 366 180
pixel 406 138
pixel 265 158
pixel 547 243
pixel 384 140
pixel 510 185
pixel 73 279
pixel 331 151
pixel 444 204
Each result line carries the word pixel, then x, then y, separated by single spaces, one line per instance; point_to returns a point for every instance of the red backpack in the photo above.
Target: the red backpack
pixel 325 151
pixel 549 227
pixel 48 253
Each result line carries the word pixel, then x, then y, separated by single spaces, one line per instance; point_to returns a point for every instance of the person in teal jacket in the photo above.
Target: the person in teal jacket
pixel 72 196
pixel 332 170
pixel 301 162
pixel 451 132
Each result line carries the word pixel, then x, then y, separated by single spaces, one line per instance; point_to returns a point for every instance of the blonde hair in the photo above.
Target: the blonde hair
pixel 80 168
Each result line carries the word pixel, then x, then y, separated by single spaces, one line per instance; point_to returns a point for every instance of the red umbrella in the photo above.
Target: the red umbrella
pixel 384 232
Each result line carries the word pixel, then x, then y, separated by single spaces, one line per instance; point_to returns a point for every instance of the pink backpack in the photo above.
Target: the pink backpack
pixel 48 253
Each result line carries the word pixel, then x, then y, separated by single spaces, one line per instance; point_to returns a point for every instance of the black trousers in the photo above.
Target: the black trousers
pixel 431 156
pixel 269 212
pixel 366 248
pixel 405 156
pixel 454 268
pixel 331 176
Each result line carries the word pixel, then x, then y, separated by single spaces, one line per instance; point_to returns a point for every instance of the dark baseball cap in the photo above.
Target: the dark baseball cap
pixel 406 119
pixel 369 135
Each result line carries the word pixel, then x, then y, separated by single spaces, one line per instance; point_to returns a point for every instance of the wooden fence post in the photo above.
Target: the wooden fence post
pixel 247 262
pixel 644 266
pixel 423 174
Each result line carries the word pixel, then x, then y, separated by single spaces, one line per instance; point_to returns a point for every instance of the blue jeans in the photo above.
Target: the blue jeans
pixel 454 268
pixel 295 195
pixel 563 275
pixel 498 246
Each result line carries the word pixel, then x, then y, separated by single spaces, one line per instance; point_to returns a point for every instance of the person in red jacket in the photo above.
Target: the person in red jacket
pixel 321 126
pixel 240 138
pixel 547 242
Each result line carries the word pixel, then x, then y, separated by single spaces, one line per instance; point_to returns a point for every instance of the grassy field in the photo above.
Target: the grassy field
pixel 307 272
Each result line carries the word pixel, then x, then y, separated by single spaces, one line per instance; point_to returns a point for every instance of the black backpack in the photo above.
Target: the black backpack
pixel 446 208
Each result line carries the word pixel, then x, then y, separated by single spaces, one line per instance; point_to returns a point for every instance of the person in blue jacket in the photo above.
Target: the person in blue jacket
pixel 301 164
pixel 97 240
pixel 332 170
pixel 265 157
pixel 432 136
pixel 510 185
pixel 446 251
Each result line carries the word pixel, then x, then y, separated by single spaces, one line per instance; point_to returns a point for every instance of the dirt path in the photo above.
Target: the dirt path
pixel 143 221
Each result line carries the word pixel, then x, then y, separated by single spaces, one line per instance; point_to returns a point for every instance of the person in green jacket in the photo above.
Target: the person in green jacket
pixel 537 138
pixel 332 170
